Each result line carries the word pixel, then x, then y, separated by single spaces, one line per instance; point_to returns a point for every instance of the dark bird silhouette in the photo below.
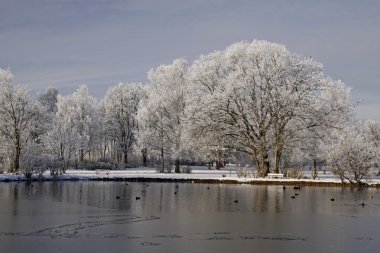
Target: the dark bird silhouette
pixel 332 199
pixel 236 201
pixel 208 188
pixel 137 198
pixel 293 197
pixel 297 187
pixel 362 204
pixel 175 192
pixel 117 197
pixel 284 187
pixel 296 194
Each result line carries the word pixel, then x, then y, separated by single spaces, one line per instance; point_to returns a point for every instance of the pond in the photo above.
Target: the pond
pixel 174 217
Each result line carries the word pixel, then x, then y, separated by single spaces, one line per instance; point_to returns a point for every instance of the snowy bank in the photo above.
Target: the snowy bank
pixel 198 175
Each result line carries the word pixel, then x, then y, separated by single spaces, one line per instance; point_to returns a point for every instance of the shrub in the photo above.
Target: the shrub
pixel 168 168
pixel 186 169
pixel 244 172
pixel 35 164
pixel 295 173
pixel 96 165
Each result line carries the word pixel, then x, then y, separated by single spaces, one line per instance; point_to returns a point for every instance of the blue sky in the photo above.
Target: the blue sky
pixel 65 43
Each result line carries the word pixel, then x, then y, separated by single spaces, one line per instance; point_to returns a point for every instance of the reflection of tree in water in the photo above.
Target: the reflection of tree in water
pixel 268 198
pixel 263 199
pixel 15 200
pixel 260 200
pixel 277 200
pixel 57 190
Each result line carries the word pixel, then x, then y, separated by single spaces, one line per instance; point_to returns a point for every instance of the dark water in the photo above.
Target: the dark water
pixel 87 217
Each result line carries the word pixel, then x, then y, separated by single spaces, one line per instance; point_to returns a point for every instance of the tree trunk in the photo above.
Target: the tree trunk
pixel 81 156
pixel 162 160
pixel 120 157
pixel 257 160
pixel 314 169
pixel 104 151
pixel 61 151
pixel 265 164
pixel 217 165
pixel 177 169
pixel 219 161
pixel 266 167
pixel 144 152
pixel 16 161
pixel 125 157
pixel 277 160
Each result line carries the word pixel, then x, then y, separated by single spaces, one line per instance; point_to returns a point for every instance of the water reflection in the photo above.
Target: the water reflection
pixel 203 217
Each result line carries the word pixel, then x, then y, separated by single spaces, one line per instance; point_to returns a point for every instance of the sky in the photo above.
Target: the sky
pixel 66 43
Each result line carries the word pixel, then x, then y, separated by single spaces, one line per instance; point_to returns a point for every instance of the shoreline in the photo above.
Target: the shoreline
pixel 200 176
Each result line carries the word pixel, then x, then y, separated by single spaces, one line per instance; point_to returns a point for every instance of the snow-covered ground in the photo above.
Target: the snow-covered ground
pixel 198 174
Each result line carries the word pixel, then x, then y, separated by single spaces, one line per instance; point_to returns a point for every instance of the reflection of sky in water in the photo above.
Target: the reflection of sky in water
pixel 200 217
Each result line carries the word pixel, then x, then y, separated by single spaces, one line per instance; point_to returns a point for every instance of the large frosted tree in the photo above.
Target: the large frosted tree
pixel 260 98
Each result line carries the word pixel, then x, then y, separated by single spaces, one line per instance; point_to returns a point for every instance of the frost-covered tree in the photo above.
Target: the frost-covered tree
pixel 162 115
pixel 260 98
pixel 62 138
pixel 351 151
pixel 204 132
pixel 374 133
pixel 48 99
pixel 75 125
pixel 19 118
pixel 85 118
pixel 330 110
pixel 119 116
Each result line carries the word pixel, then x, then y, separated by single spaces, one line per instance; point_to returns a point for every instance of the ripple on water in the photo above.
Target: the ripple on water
pixel 150 244
pixel 74 230
pixel 362 238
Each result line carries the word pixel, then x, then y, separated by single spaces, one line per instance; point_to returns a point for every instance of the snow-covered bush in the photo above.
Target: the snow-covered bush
pixel 351 152
pixel 96 165
pixel 35 164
